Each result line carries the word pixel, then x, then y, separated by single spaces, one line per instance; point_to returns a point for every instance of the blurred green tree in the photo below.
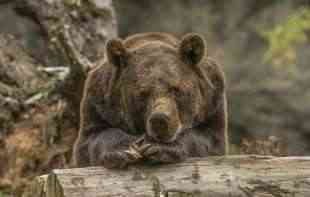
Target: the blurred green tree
pixel 285 37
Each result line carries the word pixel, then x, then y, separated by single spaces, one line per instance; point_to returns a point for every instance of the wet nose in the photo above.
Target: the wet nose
pixel 163 120
pixel 159 124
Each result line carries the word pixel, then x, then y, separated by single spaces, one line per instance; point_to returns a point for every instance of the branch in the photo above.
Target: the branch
pixel 78 62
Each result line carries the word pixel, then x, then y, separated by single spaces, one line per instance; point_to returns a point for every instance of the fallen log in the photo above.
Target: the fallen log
pixel 229 176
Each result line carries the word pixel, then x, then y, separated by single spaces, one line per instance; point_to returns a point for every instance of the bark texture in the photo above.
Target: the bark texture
pixel 230 176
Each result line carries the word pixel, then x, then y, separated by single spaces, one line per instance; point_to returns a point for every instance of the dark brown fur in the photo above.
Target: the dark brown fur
pixel 138 70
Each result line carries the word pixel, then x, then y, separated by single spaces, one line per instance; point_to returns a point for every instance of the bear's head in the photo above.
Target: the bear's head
pixel 165 88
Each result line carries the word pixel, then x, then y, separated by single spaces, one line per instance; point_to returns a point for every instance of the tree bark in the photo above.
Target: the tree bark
pixel 230 176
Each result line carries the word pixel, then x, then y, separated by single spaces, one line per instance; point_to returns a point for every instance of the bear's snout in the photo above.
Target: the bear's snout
pixel 159 125
pixel 163 122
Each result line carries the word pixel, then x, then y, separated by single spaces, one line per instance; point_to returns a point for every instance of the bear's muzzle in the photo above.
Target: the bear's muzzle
pixel 163 122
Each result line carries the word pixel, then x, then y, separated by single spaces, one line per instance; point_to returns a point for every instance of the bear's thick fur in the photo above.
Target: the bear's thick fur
pixel 156 98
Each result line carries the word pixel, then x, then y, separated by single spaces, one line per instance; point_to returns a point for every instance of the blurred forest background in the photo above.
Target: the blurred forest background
pixel 48 46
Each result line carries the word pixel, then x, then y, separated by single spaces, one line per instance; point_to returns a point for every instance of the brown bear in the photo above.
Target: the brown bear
pixel 156 98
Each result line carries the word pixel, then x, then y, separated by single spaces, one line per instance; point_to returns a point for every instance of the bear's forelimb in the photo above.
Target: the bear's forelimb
pixel 108 148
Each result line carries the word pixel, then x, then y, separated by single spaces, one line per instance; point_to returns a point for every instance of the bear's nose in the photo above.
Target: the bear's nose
pixel 163 120
pixel 159 124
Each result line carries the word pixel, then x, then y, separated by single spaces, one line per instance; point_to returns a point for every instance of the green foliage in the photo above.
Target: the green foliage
pixel 2 194
pixel 284 38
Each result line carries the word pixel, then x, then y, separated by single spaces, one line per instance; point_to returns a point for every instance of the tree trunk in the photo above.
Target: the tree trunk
pixel 230 176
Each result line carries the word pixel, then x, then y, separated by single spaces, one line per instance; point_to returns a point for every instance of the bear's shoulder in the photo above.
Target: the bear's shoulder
pixel 214 71
pixel 98 79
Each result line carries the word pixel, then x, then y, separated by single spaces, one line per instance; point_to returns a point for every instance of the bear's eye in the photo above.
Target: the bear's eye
pixel 144 94
pixel 178 91
pixel 183 96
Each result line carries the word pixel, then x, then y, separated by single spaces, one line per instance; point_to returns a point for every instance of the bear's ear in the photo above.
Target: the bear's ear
pixel 192 48
pixel 116 53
